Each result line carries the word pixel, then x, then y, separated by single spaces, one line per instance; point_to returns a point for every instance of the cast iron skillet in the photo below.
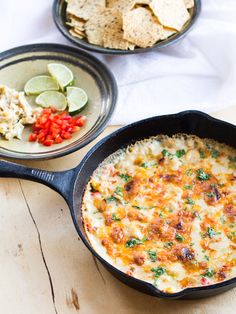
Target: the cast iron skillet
pixel 71 184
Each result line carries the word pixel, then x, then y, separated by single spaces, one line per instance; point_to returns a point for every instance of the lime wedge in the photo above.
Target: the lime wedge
pixel 61 74
pixel 39 84
pixel 52 99
pixel 77 99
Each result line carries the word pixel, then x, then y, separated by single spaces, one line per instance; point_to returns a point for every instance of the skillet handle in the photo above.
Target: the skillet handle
pixel 61 182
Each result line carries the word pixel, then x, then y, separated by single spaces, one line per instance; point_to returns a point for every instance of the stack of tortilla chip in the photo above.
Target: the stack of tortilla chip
pixel 126 24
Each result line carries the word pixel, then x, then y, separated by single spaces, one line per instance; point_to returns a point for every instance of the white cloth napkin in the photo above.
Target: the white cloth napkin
pixel 197 73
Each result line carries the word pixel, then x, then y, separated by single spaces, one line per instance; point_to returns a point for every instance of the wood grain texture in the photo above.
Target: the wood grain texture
pixel 46 269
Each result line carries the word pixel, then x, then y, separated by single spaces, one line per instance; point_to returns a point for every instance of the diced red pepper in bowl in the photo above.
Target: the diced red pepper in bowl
pixel 53 128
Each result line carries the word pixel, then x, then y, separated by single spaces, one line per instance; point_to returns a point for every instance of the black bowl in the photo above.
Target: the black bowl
pixel 59 16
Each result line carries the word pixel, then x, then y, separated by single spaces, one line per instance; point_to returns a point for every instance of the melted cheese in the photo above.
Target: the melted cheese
pixel 164 211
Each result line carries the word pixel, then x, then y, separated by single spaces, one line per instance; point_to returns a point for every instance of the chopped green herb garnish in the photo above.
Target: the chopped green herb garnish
pixel 147 165
pixel 96 212
pixel 119 191
pixel 232 235
pixel 192 244
pixel 214 153
pixel 211 233
pixel 211 194
pixel 232 162
pixel 133 242
pixel 159 271
pixel 202 154
pixel 189 172
pixel 188 187
pixel 168 245
pixel 222 219
pixel 190 201
pixel 180 153
pixel 209 273
pixel 92 189
pixel 152 255
pixel 179 238
pixel 142 207
pixel 166 153
pixel 161 215
pixel 138 207
pixel 125 177
pixel 202 175
pixel 111 199
pixel 114 218
pixel 207 257
pixel 144 165
pixel 156 282
pixel 196 214
pixel 232 159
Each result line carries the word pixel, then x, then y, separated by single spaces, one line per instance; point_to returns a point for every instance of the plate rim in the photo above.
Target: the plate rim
pixel 60 48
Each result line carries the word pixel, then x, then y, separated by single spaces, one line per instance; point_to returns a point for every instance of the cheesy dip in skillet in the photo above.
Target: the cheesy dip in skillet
pixel 164 211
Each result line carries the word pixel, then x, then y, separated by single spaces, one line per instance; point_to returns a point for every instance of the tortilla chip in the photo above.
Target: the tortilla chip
pixel 189 4
pixel 113 35
pixel 73 5
pixel 75 34
pixel 76 22
pixel 166 32
pixel 84 9
pixel 73 17
pixel 121 5
pixel 95 26
pixel 79 32
pixel 141 27
pixel 170 13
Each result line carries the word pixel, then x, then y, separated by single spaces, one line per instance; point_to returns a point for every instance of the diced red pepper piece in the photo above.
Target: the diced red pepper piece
pixel 32 137
pixel 80 121
pixel 48 142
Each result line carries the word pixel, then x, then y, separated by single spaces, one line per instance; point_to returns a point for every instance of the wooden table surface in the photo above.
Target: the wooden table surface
pixel 46 269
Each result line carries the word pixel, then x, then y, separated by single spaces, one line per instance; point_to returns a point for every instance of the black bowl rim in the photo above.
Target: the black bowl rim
pixel 155 291
pixel 40 47
pixel 95 48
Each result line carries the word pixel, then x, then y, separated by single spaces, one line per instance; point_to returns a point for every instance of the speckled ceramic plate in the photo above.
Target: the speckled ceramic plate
pixel 18 65
pixel 59 16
